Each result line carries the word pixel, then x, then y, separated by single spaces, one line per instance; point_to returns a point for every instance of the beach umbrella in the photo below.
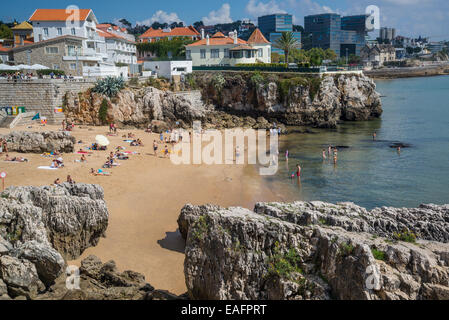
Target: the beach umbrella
pixel 102 141
pixel 38 67
pixel 6 67
pixel 23 67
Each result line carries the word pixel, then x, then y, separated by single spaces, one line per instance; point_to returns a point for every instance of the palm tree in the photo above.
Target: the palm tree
pixel 287 43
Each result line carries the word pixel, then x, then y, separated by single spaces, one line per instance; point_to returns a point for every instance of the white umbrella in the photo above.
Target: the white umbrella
pixel 38 67
pixel 23 67
pixel 102 141
pixel 6 67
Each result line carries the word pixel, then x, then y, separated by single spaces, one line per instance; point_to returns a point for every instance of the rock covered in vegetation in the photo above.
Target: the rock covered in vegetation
pixel 229 100
pixel 240 254
pixel 40 142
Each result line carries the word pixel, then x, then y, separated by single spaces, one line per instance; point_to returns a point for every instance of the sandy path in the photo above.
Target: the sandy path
pixel 144 197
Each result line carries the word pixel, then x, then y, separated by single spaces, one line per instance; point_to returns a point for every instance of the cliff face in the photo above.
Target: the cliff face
pixel 315 251
pixel 232 100
pixel 39 142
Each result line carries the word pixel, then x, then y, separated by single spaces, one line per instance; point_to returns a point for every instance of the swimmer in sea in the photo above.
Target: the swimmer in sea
pixel 324 154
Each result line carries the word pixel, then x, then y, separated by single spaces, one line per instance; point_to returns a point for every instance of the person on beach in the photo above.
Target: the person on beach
pixel 57 181
pixel 155 146
pixel 335 158
pixel 298 171
pixel 161 137
pixel 70 180
pixel 83 158
pixel 166 152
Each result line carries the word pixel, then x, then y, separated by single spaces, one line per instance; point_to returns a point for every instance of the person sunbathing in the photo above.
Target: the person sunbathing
pixel 70 180
pixel 99 172
pixel 15 159
pixel 57 181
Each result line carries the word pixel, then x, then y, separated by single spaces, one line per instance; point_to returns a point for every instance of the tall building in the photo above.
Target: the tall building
pixel 387 33
pixel 273 25
pixel 344 35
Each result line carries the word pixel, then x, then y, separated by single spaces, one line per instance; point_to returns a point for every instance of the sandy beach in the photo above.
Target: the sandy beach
pixel 144 196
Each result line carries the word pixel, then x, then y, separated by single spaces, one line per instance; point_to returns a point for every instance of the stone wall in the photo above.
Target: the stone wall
pixel 40 95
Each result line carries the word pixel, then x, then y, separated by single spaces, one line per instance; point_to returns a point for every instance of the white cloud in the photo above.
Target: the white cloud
pixel 161 17
pixel 222 15
pixel 258 8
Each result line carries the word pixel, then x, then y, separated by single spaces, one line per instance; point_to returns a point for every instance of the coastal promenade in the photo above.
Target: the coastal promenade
pixel 394 73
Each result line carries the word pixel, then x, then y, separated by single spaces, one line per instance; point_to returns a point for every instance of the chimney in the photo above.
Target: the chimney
pixel 235 36
pixel 202 34
pixel 207 40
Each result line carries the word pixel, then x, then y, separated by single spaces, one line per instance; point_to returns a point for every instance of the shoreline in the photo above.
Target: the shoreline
pixel 414 72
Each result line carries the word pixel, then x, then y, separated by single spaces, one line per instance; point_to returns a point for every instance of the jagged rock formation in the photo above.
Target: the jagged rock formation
pixel 137 107
pixel 305 251
pixel 40 142
pixel 102 281
pixel 238 101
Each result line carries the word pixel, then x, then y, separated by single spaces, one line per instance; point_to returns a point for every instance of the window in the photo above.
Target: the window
pixel 73 31
pixel 59 31
pixel 226 53
pixel 188 54
pixel 52 50
pixel 215 53
pixel 73 66
pixel 56 67
pixel 46 32
pixel 260 51
pixel 203 53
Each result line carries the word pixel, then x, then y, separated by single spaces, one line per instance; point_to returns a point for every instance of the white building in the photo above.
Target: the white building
pixel 100 49
pixel 168 69
pixel 221 50
pixel 120 46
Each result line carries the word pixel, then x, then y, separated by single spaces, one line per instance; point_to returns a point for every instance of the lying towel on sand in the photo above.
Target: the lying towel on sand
pixel 47 168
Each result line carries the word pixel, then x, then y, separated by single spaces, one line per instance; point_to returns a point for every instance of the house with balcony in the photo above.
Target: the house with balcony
pixel 221 50
pixel 120 46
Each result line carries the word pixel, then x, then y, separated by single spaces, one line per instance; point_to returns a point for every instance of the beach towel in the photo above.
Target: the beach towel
pixel 47 168
pixel 129 141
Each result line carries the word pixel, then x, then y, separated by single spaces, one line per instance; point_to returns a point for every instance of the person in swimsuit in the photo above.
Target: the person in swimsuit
pixel 324 154
pixel 155 147
pixel 374 136
pixel 286 155
pixel 298 171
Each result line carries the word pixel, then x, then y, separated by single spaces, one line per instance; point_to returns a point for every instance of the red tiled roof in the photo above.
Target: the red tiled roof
pixel 4 49
pixel 218 35
pixel 257 37
pixel 103 26
pixel 57 15
pixel 177 32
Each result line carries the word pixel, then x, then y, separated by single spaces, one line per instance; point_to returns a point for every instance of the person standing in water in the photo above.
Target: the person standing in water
pixel 298 171
pixel 374 136
pixel 329 151
pixel 324 154
pixel 286 155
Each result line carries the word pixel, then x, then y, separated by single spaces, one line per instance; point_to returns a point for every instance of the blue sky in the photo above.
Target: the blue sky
pixel 410 17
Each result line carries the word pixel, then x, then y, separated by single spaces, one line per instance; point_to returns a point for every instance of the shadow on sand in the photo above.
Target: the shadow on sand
pixel 173 241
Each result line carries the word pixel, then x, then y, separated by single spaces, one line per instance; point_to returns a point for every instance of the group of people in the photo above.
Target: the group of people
pixel 69 180
pixel 332 152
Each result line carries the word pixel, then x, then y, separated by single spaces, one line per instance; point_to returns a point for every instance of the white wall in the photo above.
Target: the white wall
pixel 167 69
pixel 105 71
pixel 195 53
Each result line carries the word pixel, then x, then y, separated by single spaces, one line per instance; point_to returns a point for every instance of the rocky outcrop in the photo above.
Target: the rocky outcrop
pixel 69 217
pixel 313 251
pixel 103 281
pixel 238 100
pixel 40 142
pixel 137 107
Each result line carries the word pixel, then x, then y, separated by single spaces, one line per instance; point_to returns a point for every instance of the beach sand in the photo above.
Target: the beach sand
pixel 144 196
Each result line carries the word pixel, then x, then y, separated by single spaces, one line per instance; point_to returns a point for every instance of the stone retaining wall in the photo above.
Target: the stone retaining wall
pixel 41 96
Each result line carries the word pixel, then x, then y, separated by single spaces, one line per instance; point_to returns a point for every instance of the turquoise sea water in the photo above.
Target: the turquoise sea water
pixel 371 174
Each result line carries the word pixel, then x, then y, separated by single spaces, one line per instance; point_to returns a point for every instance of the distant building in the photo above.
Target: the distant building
pixel 152 35
pixel 273 25
pixel 388 34
pixel 221 50
pixel 120 46
pixel 435 47
pixel 344 35
pixel 377 55
pixel 22 34
pixel 168 69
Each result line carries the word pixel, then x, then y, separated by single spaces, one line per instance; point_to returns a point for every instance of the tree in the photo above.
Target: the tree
pixel 125 22
pixel 330 54
pixel 316 56
pixel 299 56
pixel 198 24
pixel 275 57
pixel 287 43
pixel 5 32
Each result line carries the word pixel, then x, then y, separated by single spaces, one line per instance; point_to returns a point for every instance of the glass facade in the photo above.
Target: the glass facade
pixel 273 25
pixel 331 31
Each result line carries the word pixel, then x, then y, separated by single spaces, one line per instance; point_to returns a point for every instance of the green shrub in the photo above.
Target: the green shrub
pixel 406 236
pixel 103 112
pixel 284 264
pixel 378 255
pixel 109 86
pixel 257 79
pixel 218 81
pixel 346 249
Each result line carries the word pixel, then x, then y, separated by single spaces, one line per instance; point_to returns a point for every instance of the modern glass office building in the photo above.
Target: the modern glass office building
pixel 344 35
pixel 273 25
